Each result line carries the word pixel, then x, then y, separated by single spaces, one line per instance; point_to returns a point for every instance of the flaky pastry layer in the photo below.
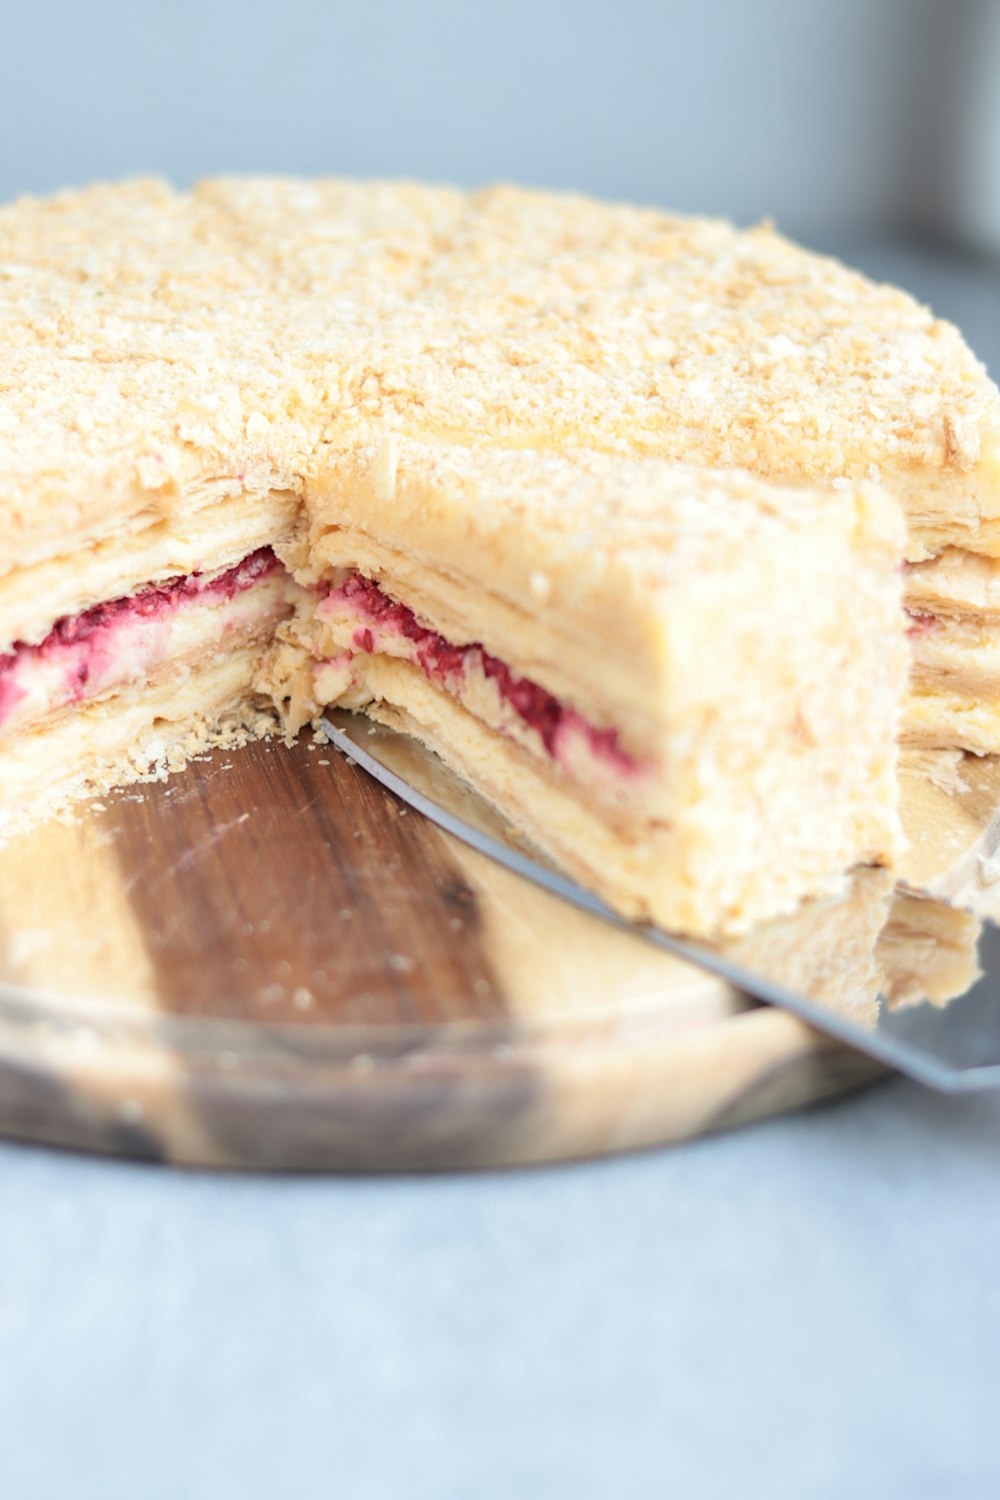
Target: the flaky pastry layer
pixel 146 729
pixel 205 539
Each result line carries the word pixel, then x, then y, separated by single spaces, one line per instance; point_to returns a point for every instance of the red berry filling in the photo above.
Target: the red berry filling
pixel 75 638
pixel 446 663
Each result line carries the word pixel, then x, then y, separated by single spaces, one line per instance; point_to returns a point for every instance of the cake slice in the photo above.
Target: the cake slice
pixel 683 686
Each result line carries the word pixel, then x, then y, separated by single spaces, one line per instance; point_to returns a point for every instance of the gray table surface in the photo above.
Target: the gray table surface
pixel 807 1308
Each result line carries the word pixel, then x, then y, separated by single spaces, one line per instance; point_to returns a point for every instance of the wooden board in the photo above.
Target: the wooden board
pixel 269 962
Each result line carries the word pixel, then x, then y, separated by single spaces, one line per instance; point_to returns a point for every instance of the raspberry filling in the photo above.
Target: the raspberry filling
pixel 554 722
pixel 919 623
pixel 80 651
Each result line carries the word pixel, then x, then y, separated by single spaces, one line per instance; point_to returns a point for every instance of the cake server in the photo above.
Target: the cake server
pixel 953 1046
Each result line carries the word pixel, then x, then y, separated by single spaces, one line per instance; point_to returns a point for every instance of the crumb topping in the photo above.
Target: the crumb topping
pixel 153 342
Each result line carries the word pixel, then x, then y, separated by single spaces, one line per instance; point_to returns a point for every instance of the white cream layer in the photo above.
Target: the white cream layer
pixel 348 638
pixel 133 648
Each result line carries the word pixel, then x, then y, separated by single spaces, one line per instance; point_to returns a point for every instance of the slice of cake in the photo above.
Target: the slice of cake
pixel 683 685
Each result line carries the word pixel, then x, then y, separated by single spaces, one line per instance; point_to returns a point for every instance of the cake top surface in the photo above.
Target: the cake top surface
pixel 156 343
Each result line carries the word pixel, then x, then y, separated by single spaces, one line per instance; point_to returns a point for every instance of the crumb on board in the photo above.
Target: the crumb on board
pixel 151 763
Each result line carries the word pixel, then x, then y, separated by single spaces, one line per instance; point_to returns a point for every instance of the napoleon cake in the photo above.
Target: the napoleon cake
pixel 602 502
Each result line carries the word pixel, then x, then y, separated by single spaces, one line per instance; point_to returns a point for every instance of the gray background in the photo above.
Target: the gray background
pixel 806 1310
pixel 810 1308
pixel 831 115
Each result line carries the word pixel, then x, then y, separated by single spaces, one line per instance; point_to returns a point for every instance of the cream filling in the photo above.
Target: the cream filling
pixel 957 583
pixel 347 639
pixel 956 656
pixel 131 648
pixel 553 633
pixel 941 720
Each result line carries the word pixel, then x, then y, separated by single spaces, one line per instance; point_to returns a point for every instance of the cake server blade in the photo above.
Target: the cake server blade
pixel 953 1047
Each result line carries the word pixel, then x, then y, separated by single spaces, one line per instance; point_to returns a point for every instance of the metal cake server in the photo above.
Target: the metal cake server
pixel 905 1018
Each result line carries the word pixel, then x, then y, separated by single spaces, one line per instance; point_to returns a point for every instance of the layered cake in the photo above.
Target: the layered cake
pixel 602 503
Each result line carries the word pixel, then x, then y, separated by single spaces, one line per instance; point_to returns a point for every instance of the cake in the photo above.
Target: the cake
pixel 604 503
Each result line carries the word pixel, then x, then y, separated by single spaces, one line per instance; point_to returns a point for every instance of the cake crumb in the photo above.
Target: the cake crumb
pixel 942 768
pixel 26 942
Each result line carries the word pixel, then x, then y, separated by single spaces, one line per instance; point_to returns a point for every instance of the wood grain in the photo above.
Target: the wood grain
pixel 269 962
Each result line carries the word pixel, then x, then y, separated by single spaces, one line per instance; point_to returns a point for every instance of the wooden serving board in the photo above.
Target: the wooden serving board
pixel 269 962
